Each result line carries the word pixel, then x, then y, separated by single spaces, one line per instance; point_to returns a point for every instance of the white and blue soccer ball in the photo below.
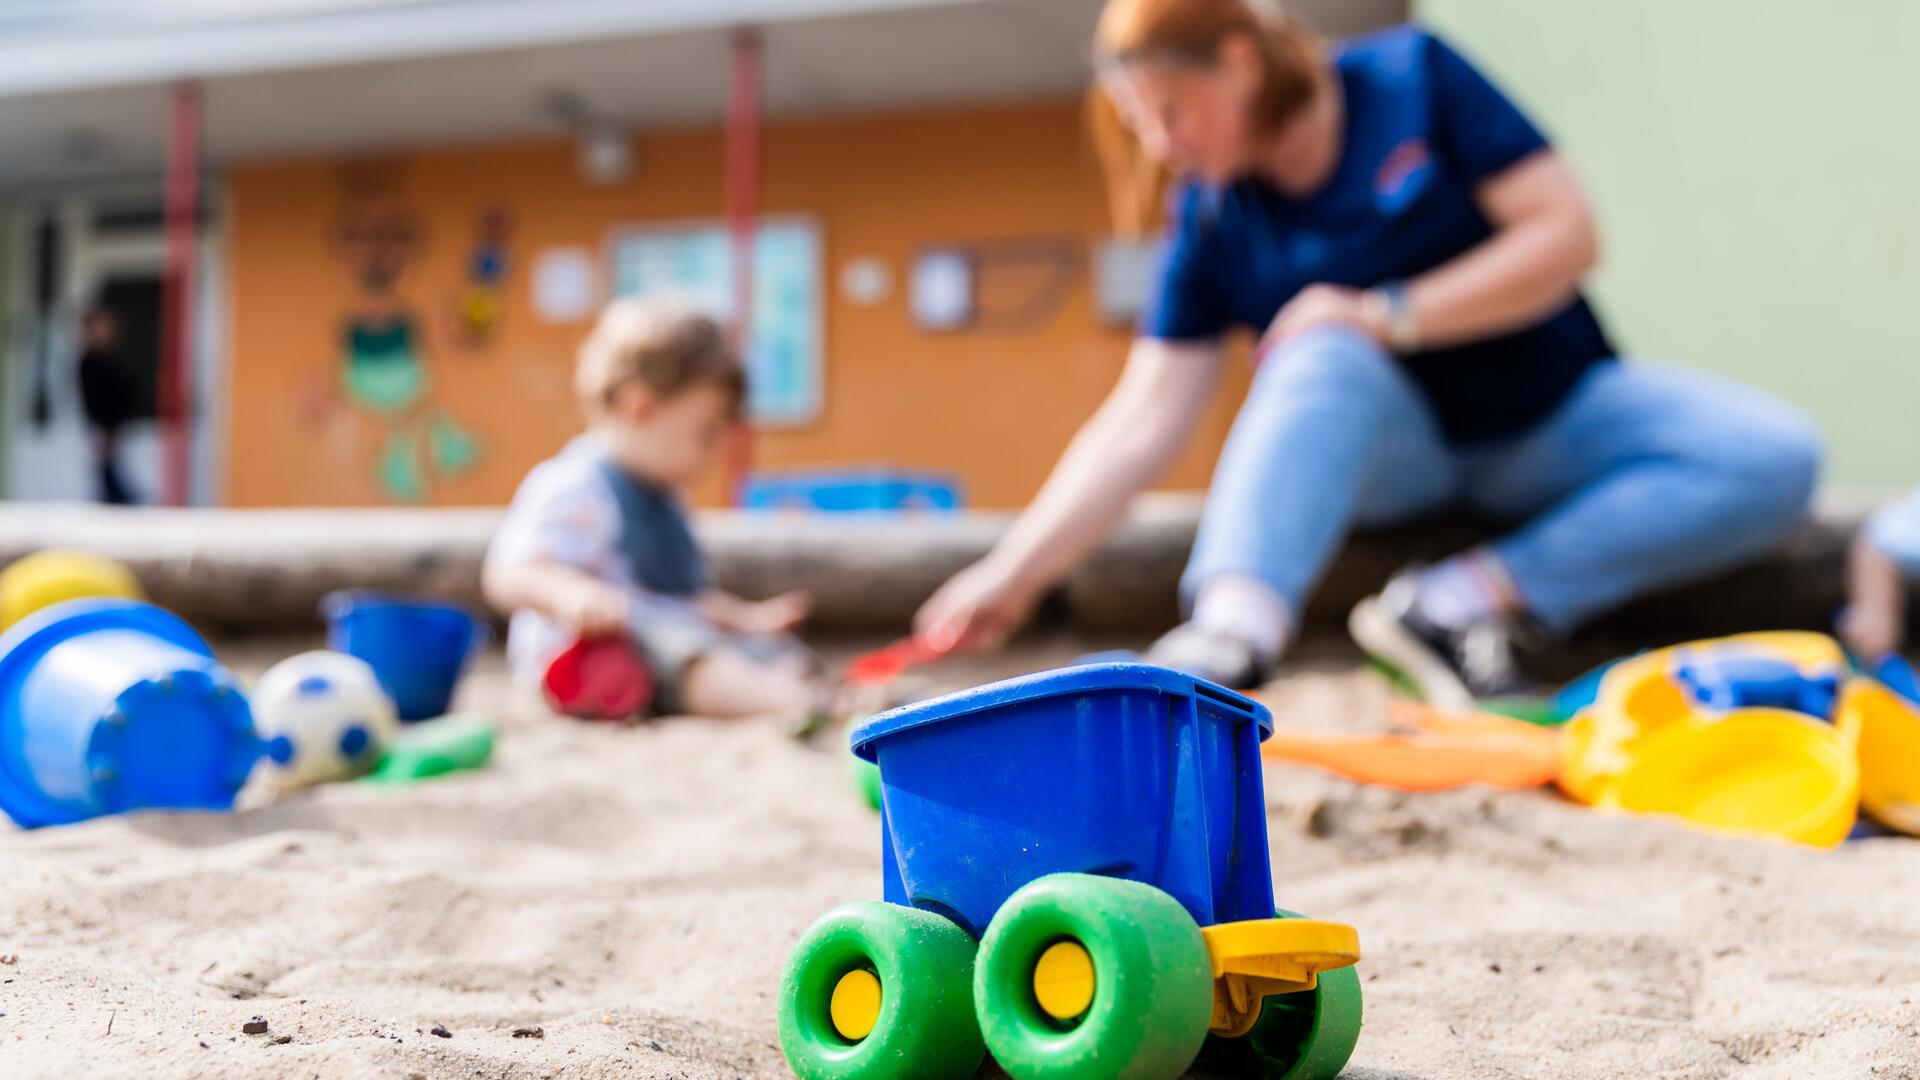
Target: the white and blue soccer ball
pixel 323 716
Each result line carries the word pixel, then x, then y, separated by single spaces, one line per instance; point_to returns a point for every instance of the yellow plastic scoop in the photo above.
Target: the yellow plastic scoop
pixel 1762 772
pixel 1887 729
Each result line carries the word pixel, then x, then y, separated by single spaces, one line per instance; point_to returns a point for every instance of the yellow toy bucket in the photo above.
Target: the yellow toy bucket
pixel 1887 730
pixel 1764 772
pixel 46 578
pixel 1639 696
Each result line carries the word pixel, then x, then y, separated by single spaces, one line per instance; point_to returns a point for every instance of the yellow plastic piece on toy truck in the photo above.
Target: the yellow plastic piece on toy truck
pixel 55 576
pixel 855 1005
pixel 1886 729
pixel 1256 959
pixel 1765 772
pixel 1063 980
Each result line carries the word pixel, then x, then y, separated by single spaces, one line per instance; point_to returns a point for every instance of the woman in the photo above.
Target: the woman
pixel 1411 250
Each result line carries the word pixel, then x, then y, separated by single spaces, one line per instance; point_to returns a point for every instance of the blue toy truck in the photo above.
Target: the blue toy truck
pixel 1077 880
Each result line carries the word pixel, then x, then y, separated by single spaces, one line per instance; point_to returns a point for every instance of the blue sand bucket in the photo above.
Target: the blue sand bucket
pixel 1125 770
pixel 417 646
pixel 114 705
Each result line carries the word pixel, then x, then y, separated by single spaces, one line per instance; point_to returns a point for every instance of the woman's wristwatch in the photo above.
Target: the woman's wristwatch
pixel 1391 306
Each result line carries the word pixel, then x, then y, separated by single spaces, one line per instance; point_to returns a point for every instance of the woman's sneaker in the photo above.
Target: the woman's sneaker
pixel 1209 654
pixel 1454 668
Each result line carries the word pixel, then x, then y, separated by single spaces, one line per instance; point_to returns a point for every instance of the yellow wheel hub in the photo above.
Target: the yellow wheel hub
pixel 855 1007
pixel 1063 980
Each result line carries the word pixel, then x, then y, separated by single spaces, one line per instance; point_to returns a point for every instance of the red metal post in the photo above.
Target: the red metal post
pixel 743 211
pixel 178 293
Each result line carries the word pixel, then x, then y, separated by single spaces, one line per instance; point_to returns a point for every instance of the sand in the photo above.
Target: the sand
pixel 632 894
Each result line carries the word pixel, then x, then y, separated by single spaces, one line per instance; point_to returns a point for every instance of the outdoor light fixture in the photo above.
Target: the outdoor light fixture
pixel 606 154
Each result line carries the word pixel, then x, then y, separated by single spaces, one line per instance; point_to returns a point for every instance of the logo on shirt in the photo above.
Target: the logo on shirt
pixel 1408 158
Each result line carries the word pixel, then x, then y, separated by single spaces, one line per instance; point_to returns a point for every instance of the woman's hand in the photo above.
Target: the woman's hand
pixel 1318 306
pixel 978 608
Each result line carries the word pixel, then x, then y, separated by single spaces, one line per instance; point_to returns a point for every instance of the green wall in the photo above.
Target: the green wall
pixel 1756 165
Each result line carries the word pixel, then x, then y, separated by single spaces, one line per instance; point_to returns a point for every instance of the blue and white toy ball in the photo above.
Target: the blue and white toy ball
pixel 323 717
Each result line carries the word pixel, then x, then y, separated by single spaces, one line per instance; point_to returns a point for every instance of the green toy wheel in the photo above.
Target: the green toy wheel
pixel 879 991
pixel 1304 1036
pixel 1082 977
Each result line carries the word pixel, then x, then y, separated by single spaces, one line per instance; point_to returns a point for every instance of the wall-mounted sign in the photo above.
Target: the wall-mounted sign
pixel 563 285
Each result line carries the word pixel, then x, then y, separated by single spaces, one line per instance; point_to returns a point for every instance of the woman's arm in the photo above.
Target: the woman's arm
pixel 1134 436
pixel 1544 242
pixel 1127 444
pixel 1542 245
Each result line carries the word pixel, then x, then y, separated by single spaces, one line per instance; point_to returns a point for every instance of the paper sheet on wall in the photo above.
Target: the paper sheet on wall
pixel 563 290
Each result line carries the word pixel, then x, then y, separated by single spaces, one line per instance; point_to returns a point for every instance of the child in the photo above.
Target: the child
pixel 596 542
pixel 1885 556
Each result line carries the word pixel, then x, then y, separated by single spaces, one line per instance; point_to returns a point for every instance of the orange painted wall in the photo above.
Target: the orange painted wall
pixel 994 407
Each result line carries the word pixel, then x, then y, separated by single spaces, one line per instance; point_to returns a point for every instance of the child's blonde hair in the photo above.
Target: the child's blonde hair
pixel 663 345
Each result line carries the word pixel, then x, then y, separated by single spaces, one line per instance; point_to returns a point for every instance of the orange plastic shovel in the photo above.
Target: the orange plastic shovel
pixel 1439 751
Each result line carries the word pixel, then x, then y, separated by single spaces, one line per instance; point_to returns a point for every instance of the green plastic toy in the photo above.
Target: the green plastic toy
pixel 866 780
pixel 434 748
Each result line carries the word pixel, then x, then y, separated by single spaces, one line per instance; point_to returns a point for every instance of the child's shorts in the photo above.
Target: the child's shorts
pixel 1895 530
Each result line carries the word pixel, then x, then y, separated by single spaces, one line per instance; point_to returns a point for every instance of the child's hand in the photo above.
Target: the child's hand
pixel 593 609
pixel 1871 631
pixel 775 616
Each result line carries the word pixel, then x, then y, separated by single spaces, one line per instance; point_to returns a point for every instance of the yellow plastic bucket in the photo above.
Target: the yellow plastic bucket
pixel 1764 772
pixel 1886 729
pixel 1639 696
pixel 50 577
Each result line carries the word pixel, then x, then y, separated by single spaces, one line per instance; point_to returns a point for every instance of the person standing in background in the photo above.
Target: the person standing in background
pixel 109 398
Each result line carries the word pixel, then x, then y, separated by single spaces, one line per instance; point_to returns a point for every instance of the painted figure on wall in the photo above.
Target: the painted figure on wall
pixel 384 352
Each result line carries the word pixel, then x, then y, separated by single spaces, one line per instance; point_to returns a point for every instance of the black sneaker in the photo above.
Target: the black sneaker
pixel 1209 654
pixel 1454 669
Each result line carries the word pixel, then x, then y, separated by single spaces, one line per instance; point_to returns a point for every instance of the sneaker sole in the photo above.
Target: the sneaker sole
pixel 1381 636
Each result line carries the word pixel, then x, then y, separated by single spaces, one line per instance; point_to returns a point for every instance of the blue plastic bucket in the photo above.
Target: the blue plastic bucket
pixel 114 705
pixel 1126 770
pixel 417 646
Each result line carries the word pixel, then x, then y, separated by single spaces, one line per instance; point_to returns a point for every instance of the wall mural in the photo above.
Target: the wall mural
pixel 385 370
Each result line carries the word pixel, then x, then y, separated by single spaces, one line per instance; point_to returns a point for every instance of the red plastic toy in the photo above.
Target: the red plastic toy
pixel 599 679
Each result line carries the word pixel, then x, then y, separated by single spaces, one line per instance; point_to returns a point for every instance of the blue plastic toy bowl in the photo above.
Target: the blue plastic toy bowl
pixel 1124 769
pixel 114 705
pixel 1737 679
pixel 416 645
